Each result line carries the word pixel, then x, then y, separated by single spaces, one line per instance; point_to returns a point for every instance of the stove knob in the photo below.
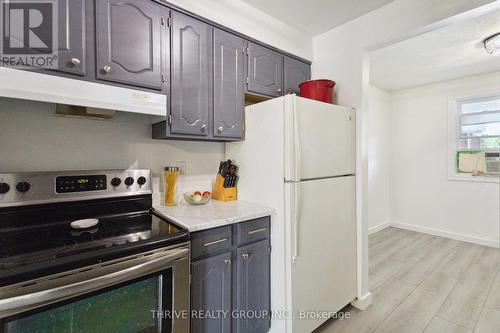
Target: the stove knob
pixel 23 187
pixel 4 188
pixel 129 181
pixel 116 181
pixel 141 180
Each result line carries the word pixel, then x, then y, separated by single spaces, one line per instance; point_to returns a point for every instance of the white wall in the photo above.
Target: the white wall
pixel 342 55
pixel 33 139
pixel 379 159
pixel 422 196
pixel 242 17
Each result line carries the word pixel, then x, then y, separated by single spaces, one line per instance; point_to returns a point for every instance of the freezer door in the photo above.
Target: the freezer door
pixel 323 240
pixel 320 139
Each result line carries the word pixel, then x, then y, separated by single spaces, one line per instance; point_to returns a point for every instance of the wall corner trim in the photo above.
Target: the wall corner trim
pixel 363 302
pixel 379 227
pixel 447 234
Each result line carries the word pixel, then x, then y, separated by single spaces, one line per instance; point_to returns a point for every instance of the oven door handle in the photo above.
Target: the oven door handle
pixel 23 298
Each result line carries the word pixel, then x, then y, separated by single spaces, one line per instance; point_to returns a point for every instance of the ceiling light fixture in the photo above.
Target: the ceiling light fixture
pixel 492 44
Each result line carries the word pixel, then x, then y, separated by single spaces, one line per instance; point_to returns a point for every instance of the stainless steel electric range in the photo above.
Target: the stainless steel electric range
pixel 85 252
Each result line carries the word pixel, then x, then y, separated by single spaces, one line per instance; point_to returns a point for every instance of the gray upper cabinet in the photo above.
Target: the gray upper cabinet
pixel 229 78
pixel 72 31
pixel 191 81
pixel 295 73
pixel 210 292
pixel 264 71
pixel 253 287
pixel 130 37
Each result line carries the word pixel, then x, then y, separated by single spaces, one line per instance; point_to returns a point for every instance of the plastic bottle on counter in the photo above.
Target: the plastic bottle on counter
pixel 171 175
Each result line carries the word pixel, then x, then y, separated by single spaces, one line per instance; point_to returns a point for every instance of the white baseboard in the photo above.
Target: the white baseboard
pixel 447 234
pixel 362 303
pixel 379 227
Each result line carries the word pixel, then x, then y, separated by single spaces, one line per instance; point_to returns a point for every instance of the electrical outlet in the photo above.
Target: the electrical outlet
pixel 182 167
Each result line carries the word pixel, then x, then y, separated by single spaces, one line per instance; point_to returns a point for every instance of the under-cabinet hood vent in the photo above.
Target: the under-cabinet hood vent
pixel 31 85
pixel 84 112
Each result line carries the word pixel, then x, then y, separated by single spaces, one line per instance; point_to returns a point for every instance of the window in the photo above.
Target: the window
pixel 479 124
pixel 474 139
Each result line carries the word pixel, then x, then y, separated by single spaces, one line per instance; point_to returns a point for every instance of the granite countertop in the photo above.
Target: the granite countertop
pixel 213 214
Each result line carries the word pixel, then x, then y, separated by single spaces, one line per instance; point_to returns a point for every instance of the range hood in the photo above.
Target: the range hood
pixel 75 111
pixel 31 85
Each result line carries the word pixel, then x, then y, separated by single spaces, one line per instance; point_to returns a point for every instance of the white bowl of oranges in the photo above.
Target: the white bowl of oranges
pixel 197 198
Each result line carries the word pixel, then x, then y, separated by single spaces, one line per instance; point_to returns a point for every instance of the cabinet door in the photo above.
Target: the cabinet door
pixel 211 292
pixel 296 72
pixel 253 287
pixel 130 34
pixel 71 42
pixel 191 82
pixel 229 78
pixel 265 71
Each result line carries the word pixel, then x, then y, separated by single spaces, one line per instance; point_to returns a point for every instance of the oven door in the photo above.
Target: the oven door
pixel 138 294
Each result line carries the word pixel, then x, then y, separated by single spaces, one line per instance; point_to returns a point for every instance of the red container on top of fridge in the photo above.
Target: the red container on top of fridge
pixel 320 90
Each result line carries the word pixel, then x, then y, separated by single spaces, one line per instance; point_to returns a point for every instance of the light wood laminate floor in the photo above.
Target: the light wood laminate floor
pixel 429 284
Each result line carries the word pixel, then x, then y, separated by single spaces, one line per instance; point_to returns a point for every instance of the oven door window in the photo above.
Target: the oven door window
pixel 127 308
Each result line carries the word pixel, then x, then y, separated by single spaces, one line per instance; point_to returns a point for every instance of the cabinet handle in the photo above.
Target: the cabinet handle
pixel 220 129
pixel 203 127
pixel 278 91
pixel 246 256
pixel 227 262
pixel 251 232
pixel 75 61
pixel 107 68
pixel 215 242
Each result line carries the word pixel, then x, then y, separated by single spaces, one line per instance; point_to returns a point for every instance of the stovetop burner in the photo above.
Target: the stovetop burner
pixel 42 250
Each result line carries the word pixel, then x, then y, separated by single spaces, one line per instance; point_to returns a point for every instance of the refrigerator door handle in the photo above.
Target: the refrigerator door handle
pixel 296 146
pixel 297 212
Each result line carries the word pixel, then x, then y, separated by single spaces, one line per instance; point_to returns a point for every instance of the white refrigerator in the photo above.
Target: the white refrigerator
pixel 299 158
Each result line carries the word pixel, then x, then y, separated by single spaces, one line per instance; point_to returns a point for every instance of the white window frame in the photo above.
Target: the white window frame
pixel 453 142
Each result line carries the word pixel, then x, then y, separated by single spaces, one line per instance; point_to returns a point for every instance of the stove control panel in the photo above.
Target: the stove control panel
pixel 46 187
pixel 66 184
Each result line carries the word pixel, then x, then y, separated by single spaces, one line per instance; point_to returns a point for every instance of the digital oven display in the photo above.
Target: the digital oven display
pixel 68 184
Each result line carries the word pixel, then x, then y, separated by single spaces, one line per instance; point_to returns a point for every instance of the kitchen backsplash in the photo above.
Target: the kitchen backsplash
pixel 200 183
pixel 32 138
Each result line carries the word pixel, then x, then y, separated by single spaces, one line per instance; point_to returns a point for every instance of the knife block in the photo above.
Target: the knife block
pixel 221 193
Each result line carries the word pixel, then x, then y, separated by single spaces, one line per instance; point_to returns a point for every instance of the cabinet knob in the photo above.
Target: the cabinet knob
pixel 75 61
pixel 220 129
pixel 278 91
pixel 246 256
pixel 227 262
pixel 107 68
pixel 203 127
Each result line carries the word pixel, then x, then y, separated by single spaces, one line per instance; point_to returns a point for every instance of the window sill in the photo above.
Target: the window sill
pixel 464 177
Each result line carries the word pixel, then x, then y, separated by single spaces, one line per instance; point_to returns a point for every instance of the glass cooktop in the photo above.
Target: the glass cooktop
pixel 39 243
pixel 43 249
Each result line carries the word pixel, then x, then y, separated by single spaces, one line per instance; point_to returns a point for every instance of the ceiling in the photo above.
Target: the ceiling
pixel 316 16
pixel 449 53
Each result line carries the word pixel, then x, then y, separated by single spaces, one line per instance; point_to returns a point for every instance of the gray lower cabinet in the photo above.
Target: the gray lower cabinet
pixel 229 78
pixel 230 276
pixel 211 291
pixel 264 71
pixel 71 23
pixel 295 72
pixel 191 80
pixel 130 38
pixel 252 291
